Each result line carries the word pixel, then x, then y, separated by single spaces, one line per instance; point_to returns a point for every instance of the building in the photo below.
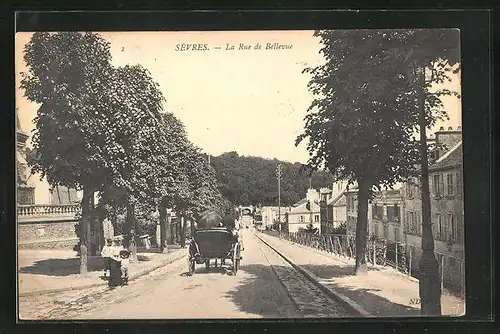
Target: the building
pixel 46 215
pixel 387 210
pixel 269 215
pixel 25 186
pixel 306 212
pixel 333 207
pixel 447 208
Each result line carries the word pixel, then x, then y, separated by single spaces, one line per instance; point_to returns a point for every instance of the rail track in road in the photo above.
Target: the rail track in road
pixel 309 297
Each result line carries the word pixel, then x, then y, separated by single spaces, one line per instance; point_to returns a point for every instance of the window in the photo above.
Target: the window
pixel 411 223
pixel 393 213
pixel 453 227
pixel 410 188
pixel 439 225
pixel 301 218
pixel 449 183
pixel 316 218
pixel 419 223
pixel 437 183
pixel 459 184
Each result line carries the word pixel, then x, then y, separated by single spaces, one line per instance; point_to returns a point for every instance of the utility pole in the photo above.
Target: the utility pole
pixel 278 175
pixel 429 283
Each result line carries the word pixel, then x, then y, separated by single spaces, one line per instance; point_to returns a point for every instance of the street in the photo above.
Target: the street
pixel 265 287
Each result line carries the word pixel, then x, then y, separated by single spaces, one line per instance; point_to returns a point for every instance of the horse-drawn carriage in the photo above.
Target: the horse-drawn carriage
pixel 211 241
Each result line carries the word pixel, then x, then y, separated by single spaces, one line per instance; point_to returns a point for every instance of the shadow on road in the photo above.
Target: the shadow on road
pixel 66 267
pixel 383 307
pixel 61 267
pixel 260 294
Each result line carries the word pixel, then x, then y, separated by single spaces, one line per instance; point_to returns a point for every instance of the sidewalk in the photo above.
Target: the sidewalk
pixel 384 292
pixel 44 271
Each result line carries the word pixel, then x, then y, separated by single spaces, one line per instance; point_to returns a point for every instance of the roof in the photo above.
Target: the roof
pixel 452 158
pixel 339 197
pixel 301 202
pixel 303 209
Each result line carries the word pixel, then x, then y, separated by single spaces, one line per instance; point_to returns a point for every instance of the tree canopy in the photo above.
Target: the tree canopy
pixel 363 122
pixel 245 180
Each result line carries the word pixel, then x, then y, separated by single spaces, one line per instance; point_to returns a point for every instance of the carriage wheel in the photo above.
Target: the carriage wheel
pixel 207 264
pixel 236 258
pixel 191 266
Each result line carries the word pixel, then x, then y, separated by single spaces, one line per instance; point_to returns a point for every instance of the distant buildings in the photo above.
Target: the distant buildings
pixel 306 213
pixel 270 215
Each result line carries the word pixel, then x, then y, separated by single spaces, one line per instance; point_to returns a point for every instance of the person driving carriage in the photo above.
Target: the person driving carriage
pixel 216 238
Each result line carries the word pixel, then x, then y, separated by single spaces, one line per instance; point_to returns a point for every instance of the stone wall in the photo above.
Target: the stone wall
pixel 47 234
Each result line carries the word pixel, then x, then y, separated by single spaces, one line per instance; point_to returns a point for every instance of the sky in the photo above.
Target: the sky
pixel 252 101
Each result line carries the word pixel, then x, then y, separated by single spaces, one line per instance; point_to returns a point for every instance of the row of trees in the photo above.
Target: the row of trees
pixel 375 95
pixel 103 129
pixel 252 180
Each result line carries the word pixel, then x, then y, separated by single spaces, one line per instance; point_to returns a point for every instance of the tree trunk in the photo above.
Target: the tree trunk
pixel 92 241
pixel 429 282
pixel 192 227
pixel 85 230
pixel 168 229
pixel 163 232
pixel 129 238
pixel 183 232
pixel 361 228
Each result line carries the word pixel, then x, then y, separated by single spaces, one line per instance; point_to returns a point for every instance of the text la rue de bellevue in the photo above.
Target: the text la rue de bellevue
pixel 232 47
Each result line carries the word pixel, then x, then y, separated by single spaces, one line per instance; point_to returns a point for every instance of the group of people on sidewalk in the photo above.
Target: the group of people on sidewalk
pixel 114 251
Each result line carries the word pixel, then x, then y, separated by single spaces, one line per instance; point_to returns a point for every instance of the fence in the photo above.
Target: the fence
pixel 402 257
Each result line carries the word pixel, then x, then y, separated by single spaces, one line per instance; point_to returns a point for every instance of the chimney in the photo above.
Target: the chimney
pixel 312 195
pixel 441 128
pixel 446 140
pixel 459 128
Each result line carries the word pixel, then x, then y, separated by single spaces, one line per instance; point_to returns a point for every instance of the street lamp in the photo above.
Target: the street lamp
pixel 279 173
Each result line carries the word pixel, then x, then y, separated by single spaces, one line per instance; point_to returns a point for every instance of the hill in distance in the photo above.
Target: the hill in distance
pixel 248 180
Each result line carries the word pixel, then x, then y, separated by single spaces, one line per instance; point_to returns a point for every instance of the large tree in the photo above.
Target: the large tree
pixel 363 123
pixel 68 75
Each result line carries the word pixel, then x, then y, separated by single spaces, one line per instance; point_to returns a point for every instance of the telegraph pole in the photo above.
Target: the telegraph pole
pixel 278 175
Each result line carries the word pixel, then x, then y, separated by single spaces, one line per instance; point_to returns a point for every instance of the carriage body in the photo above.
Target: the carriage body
pixel 216 243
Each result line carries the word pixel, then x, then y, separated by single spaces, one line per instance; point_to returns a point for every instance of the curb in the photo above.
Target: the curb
pixel 346 301
pixel 82 287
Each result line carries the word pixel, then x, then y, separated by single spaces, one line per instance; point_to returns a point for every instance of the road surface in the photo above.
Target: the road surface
pixel 264 287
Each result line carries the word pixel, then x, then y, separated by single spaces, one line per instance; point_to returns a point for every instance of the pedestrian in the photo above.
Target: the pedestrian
pixel 115 250
pixel 106 254
pixel 125 261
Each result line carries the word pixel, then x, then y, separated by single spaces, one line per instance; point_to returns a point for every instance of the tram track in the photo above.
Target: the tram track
pixel 311 298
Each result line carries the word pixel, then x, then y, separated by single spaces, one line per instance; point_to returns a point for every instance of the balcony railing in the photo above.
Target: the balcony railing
pixel 37 210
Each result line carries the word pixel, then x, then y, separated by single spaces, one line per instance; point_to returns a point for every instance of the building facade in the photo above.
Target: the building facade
pixel 333 207
pixel 269 215
pixel 307 213
pixel 387 210
pixel 447 209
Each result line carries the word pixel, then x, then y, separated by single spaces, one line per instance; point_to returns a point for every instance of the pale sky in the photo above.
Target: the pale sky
pixel 249 101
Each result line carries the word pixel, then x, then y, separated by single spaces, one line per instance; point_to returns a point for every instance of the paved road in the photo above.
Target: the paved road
pixel 168 293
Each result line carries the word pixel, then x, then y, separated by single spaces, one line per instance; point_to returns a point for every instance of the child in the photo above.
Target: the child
pixel 106 254
pixel 124 258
